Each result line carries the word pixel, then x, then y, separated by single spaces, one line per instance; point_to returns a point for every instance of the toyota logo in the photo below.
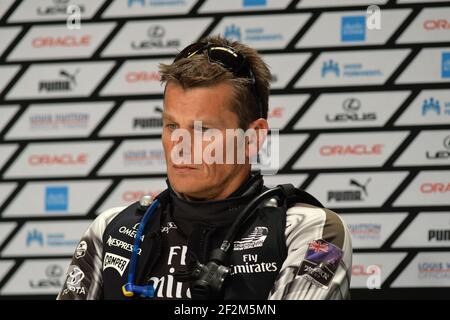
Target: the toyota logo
pixel 75 276
pixel 156 31
pixel 351 104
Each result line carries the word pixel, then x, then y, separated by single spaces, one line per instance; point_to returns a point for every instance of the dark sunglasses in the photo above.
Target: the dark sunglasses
pixel 226 57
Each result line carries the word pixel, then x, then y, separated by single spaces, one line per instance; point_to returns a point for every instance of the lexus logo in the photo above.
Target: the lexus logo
pixel 53 271
pixel 351 104
pixel 156 31
pixel 447 142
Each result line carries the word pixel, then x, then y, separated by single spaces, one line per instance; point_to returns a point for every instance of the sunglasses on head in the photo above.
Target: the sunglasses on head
pixel 226 57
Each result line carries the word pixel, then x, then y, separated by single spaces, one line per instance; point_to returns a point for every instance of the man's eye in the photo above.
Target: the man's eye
pixel 203 129
pixel 171 126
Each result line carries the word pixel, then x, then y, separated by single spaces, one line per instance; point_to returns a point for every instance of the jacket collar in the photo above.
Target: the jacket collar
pixel 214 212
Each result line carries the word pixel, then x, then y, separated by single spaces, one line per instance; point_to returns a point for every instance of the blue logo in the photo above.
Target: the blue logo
pixel 330 67
pixel 232 33
pixel 155 3
pixel 56 198
pixel 254 3
pixel 353 28
pixel 35 236
pixel 141 2
pixel 445 65
pixel 431 105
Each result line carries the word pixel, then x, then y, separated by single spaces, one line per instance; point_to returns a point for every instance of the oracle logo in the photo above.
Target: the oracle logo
pixel 62 159
pixel 356 150
pixel 434 187
pixel 441 24
pixel 65 42
pixel 361 270
pixel 276 112
pixel 137 76
pixel 132 196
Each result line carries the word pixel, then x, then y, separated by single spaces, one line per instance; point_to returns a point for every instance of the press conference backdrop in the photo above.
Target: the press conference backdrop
pixel 364 115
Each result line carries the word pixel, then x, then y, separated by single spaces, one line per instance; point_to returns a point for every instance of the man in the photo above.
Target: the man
pixel 296 252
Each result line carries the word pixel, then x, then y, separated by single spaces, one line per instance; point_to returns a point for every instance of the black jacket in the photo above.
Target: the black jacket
pixel 266 261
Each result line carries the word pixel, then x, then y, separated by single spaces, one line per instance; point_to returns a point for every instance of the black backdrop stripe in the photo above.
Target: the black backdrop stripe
pixel 364 119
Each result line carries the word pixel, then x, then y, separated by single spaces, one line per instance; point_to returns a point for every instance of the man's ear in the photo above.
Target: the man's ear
pixel 259 128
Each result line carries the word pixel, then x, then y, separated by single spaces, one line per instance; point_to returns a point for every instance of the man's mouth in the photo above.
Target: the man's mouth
pixel 183 168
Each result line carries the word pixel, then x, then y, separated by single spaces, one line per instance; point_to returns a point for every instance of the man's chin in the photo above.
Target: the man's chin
pixel 190 193
pixel 183 185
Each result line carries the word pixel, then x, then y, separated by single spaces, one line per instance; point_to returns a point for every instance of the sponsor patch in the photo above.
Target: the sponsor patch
pixel 321 262
pixel 75 276
pixel 74 280
pixel 81 250
pixel 116 262
pixel 170 225
pixel 113 242
pixel 254 240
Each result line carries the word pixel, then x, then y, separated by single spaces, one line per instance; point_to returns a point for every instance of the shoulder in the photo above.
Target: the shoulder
pixel 306 223
pixel 317 223
pixel 100 223
pixel 110 213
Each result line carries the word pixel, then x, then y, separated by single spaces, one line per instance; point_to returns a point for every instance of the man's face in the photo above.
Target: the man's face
pixel 212 106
